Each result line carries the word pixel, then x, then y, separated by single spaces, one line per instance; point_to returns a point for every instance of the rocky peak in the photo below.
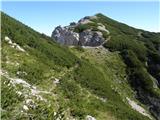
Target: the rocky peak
pixel 87 19
pixel 68 36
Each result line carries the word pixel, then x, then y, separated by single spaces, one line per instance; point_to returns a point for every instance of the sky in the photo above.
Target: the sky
pixel 44 16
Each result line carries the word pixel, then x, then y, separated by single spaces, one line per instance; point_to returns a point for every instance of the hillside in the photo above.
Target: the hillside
pixel 139 49
pixel 41 79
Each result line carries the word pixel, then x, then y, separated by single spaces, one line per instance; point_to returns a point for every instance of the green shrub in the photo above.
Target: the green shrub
pixel 131 59
pixel 138 76
pixel 121 42
pixel 87 75
pixel 80 28
pixel 142 79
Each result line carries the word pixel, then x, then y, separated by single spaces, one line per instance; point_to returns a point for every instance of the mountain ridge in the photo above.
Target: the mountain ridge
pixel 87 26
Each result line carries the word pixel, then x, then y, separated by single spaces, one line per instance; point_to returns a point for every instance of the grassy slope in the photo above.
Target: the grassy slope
pixel 117 89
pixel 83 80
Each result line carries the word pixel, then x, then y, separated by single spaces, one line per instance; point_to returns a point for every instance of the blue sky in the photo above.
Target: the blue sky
pixel 45 16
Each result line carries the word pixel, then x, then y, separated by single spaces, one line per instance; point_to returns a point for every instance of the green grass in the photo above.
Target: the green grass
pixel 10 100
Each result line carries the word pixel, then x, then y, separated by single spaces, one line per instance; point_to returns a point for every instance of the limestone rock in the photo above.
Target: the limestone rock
pixel 88 117
pixel 65 36
pixel 86 19
pixel 91 38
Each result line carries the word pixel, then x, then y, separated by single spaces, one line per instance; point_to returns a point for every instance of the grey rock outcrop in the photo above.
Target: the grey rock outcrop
pixel 86 20
pixel 90 38
pixel 88 117
pixel 67 36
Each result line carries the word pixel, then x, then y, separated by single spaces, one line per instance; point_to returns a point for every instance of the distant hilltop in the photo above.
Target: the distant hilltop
pixel 86 32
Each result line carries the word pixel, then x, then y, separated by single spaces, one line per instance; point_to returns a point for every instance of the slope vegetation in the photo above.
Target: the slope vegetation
pixel 43 80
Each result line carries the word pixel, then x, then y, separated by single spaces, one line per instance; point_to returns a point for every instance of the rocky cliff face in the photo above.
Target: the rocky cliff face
pixel 68 36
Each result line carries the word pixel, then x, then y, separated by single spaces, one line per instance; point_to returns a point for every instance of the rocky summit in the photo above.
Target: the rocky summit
pixel 80 33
